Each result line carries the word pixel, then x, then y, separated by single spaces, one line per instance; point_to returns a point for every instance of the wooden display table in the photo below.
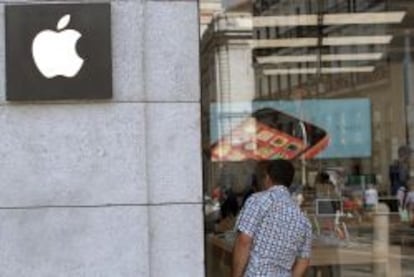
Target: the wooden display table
pixel 219 257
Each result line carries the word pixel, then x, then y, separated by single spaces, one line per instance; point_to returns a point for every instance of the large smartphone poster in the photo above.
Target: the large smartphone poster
pixel 266 130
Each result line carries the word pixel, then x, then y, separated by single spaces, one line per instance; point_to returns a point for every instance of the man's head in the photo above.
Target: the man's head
pixel 280 172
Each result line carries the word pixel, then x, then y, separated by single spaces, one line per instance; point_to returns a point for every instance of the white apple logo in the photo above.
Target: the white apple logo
pixel 54 53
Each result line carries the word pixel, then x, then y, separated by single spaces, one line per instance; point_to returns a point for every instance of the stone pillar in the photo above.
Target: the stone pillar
pixel 381 242
pixel 110 188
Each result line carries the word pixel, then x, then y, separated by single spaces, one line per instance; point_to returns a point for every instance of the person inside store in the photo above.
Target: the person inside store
pixel 253 188
pixel 254 181
pixel 324 187
pixel 399 170
pixel 409 203
pixel 274 237
pixel 227 179
pixel 229 209
pixel 371 198
pixel 402 196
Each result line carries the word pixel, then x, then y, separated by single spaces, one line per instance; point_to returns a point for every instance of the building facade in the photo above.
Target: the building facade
pixel 226 72
pixel 208 8
pixel 109 187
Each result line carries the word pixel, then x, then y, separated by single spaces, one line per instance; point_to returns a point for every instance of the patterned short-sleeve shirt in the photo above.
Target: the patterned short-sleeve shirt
pixel 280 231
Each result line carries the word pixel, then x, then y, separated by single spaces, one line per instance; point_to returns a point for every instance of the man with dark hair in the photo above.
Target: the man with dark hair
pixel 274 237
pixel 282 172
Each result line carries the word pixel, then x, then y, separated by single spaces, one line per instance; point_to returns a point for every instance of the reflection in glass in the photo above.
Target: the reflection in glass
pixel 328 84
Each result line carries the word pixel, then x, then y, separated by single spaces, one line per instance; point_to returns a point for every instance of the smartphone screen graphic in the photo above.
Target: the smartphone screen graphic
pixel 270 134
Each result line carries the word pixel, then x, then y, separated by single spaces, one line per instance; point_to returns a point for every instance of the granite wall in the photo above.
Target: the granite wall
pixel 110 188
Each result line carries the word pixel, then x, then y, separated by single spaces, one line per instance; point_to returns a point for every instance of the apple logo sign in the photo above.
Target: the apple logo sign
pixel 54 52
pixel 58 51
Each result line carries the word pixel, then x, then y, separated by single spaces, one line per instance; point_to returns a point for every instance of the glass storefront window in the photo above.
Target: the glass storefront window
pixel 328 85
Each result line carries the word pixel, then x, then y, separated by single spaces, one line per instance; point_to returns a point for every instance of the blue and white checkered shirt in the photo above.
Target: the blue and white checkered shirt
pixel 280 231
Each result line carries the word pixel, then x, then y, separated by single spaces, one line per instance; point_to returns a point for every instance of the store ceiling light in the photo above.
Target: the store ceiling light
pixel 356 40
pixel 287 59
pixel 350 69
pixel 314 58
pixel 290 71
pixel 285 20
pixel 329 19
pixel 364 18
pixel 352 57
pixel 327 41
pixel 290 42
pixel 314 70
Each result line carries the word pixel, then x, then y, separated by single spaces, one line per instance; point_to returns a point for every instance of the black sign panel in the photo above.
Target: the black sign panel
pixel 58 51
